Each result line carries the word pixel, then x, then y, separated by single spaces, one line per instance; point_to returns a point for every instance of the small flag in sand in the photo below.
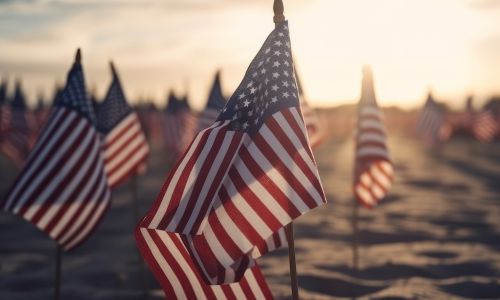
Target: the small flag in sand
pixel 373 168
pixel 242 179
pixel 484 126
pixel 215 104
pixel 63 188
pixel 125 147
pixel 431 125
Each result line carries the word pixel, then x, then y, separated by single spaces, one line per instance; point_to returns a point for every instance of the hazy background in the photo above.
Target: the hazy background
pixel 449 46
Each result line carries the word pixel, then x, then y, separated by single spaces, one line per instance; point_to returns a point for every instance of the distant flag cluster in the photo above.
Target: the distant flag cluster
pixel 62 189
pixel 484 126
pixel 125 147
pixel 241 180
pixel 374 172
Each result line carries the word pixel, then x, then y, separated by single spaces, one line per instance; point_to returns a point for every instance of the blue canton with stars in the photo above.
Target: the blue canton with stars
pixel 74 95
pixel 268 86
pixel 216 99
pixel 114 108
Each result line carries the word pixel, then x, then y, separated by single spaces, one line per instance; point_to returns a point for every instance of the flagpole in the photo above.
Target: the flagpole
pixel 279 17
pixel 355 236
pixel 57 275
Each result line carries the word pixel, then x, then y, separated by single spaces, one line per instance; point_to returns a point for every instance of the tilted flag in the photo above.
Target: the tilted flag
pixel 431 125
pixel 18 139
pixel 242 179
pixel 373 171
pixel 484 126
pixel 314 130
pixel 215 104
pixel 125 147
pixel 62 189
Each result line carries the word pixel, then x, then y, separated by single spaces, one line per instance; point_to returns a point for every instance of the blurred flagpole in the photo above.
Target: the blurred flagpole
pixel 279 17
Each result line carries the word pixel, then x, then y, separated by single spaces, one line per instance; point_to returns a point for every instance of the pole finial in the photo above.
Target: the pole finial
pixel 112 66
pixel 278 11
pixel 78 56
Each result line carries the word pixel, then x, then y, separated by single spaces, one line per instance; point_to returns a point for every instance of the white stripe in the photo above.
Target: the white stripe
pixel 113 147
pixel 364 195
pixel 372 151
pixel 228 224
pixel 129 164
pixel 371 124
pixel 118 128
pixel 122 153
pixel 254 286
pixel 370 137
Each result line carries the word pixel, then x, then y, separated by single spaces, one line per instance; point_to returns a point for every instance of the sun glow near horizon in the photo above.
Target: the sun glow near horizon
pixel 449 46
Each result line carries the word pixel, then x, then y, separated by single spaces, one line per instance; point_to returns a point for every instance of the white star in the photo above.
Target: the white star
pixel 286 95
pixel 266 81
pixel 287 63
pixel 287 54
pixel 281 33
pixel 268 59
pixel 250 84
pixel 252 90
pixel 268 50
pixel 286 73
pixel 245 125
pixel 276 64
pixel 278 43
pixel 250 113
pixel 255 74
pixel 242 95
pixel 260 63
pixel 274 87
pixel 285 83
pixel 246 103
pixel 274 99
pixel 276 75
pixel 256 121
pixel 266 92
pixel 263 71
pixel 277 53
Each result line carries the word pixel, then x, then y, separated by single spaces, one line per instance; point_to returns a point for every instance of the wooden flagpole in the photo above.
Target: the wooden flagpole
pixel 355 235
pixel 57 275
pixel 279 17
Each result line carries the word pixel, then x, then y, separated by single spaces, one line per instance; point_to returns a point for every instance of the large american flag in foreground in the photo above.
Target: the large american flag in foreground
pixel 63 188
pixel 431 125
pixel 374 172
pixel 484 126
pixel 242 179
pixel 18 138
pixel 125 147
pixel 314 128
pixel 215 104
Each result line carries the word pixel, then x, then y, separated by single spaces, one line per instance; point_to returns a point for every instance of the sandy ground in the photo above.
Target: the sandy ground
pixel 436 237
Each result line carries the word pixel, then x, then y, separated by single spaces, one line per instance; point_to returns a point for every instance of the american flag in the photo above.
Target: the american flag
pixel 373 173
pixel 245 177
pixel 18 139
pixel 431 125
pixel 179 277
pixel 125 147
pixel 484 126
pixel 314 128
pixel 4 111
pixel 62 189
pixel 180 125
pixel 215 104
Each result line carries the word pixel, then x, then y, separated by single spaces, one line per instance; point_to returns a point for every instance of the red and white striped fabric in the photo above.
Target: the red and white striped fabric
pixel 180 125
pixel 373 169
pixel 242 180
pixel 484 126
pixel 179 277
pixel 62 189
pixel 125 147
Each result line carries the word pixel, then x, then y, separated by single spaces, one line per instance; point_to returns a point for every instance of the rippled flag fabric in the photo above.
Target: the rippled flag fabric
pixel 125 147
pixel 62 189
pixel 245 177
pixel 374 172
pixel 484 126
pixel 215 104
pixel 18 138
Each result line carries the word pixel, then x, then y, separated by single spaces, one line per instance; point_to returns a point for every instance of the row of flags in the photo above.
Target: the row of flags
pixel 436 125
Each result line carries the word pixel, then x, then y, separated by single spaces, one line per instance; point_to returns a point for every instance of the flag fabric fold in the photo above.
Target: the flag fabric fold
pixel 244 178
pixel 373 173
pixel 124 144
pixel 62 188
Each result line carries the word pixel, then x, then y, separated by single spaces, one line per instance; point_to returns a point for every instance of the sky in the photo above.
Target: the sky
pixel 451 47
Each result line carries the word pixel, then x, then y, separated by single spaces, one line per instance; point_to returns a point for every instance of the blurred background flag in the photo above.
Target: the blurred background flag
pixel 179 276
pixel 313 125
pixel 215 104
pixel 125 147
pixel 18 138
pixel 62 189
pixel 373 169
pixel 484 126
pixel 245 177
pixel 431 123
pixel 4 111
